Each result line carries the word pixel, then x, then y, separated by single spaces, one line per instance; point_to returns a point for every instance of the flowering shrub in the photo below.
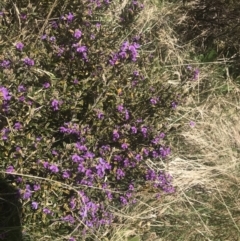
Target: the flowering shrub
pixel 81 115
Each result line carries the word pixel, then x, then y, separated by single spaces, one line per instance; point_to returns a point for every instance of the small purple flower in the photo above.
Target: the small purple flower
pixel 126 115
pixel 134 129
pixel 69 218
pixel 115 135
pixel 54 24
pixel 76 158
pixel 5 93
pixel 98 25
pixel 5 64
pixel 52 39
pixel 196 74
pixel 27 194
pixel 70 17
pixel 21 88
pixel 19 46
pixel 123 200
pixel 174 105
pixel 120 174
pixel 17 126
pixel 135 73
pixel 44 36
pixel 154 100
pixel 34 205
pixel 46 211
pixel 66 174
pixel 55 104
pixel 72 239
pixel 100 115
pixel 54 168
pixel 120 108
pixel 138 157
pixel 28 61
pixel 144 131
pixel 21 98
pixel 75 81
pixel 54 152
pixel 36 187
pixel 10 169
pixel 125 146
pixel 113 60
pixel 164 151
pixel 77 34
pixel 23 16
pixel 45 164
pixel 192 123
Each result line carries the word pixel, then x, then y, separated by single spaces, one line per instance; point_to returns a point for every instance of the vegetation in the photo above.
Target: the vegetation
pixel 119 120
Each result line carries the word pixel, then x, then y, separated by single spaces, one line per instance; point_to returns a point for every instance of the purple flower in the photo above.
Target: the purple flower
pixel 21 88
pixel 196 74
pixel 125 146
pixel 46 211
pixel 72 203
pixel 54 168
pixel 154 100
pixel 5 93
pixel 131 187
pixel 36 187
pixel 146 151
pixel 45 164
pixel 75 81
pixel 70 17
pixel 66 174
pixel 144 131
pixel 100 115
pixel 164 151
pixel 52 39
pixel 5 64
pixel 54 152
pixel 77 34
pixel 72 239
pixel 55 104
pixel 120 174
pixel 115 135
pixel 98 25
pixel 5 132
pixel 113 59
pixel 19 46
pixel 27 194
pixel 135 73
pixel 101 167
pixel 28 61
pixel 76 158
pixel 17 126
pixel 21 98
pixel 23 16
pixel 44 36
pixel 123 200
pixel 120 108
pixel 134 129
pixel 69 218
pixel 192 123
pixel 138 157
pixel 126 114
pixel 10 169
pixel 54 24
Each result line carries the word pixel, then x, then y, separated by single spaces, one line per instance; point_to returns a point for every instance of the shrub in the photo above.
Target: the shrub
pixel 82 114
